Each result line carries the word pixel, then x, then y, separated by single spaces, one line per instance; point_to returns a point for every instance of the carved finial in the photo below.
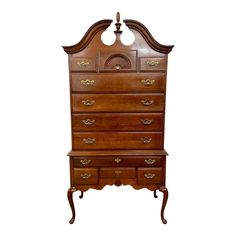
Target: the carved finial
pixel 118 17
pixel 118 24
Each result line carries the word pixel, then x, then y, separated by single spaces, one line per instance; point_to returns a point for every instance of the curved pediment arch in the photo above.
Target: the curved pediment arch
pixel 133 25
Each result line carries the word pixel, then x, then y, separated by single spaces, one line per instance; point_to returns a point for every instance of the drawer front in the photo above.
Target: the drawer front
pixel 125 173
pixel 117 161
pixel 82 64
pixel 131 82
pixel 150 175
pixel 117 140
pixel 85 176
pixel 153 63
pixel 125 121
pixel 118 61
pixel 117 102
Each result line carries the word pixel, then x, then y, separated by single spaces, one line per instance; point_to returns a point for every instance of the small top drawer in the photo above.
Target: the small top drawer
pixel 82 64
pixel 153 63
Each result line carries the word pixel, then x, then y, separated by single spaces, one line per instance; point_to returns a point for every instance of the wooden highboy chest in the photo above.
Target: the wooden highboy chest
pixel 117 98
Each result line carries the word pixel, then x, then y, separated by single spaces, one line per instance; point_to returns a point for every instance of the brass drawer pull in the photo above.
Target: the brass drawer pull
pixel 88 102
pixel 118 172
pixel 148 82
pixel 152 63
pixel 117 67
pixel 146 140
pixel 89 140
pixel 117 160
pixel 85 176
pixel 147 102
pixel 88 122
pixel 150 161
pixel 149 176
pixel 87 82
pixel 146 121
pixel 83 63
pixel 85 161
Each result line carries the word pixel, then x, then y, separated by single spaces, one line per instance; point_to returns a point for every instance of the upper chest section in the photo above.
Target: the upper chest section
pixel 143 55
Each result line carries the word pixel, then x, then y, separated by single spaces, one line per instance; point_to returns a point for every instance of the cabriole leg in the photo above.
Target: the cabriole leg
pixel 70 199
pixel 164 190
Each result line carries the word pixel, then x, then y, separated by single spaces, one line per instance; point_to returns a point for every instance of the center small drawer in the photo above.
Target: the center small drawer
pixel 85 176
pixel 125 173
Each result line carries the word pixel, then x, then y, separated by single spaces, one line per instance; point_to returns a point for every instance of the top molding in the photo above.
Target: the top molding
pixel 135 25
pixel 104 24
pixel 92 31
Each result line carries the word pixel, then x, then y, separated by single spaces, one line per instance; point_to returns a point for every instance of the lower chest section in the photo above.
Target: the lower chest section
pixel 137 171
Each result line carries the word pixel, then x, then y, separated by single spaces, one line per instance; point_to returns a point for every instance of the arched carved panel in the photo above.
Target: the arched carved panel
pixel 118 62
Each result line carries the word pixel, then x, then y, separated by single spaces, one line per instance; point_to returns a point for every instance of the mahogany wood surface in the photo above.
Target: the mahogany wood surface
pixel 118 121
pixel 118 82
pixel 117 99
pixel 117 161
pixel 117 102
pixel 150 175
pixel 120 173
pixel 117 140
pixel 85 175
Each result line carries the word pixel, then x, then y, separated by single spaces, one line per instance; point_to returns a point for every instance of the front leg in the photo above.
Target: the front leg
pixel 70 199
pixel 164 190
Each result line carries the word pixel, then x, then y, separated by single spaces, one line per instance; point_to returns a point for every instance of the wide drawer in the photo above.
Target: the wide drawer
pixel 150 175
pixel 117 102
pixel 131 82
pixel 85 176
pixel 125 173
pixel 118 121
pixel 117 140
pixel 117 161
pixel 82 64
pixel 153 63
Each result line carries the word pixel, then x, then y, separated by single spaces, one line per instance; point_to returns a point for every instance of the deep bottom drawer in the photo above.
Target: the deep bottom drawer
pixel 126 173
pixel 85 176
pixel 149 175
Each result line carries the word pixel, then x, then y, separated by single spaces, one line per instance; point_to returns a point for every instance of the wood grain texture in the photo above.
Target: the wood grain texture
pixel 85 176
pixel 118 121
pixel 150 175
pixel 117 140
pixel 117 98
pixel 153 64
pixel 112 153
pixel 118 102
pixel 118 82
pixel 118 173
pixel 117 161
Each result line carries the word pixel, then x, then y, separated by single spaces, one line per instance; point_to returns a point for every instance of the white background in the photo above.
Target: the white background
pixel 35 120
